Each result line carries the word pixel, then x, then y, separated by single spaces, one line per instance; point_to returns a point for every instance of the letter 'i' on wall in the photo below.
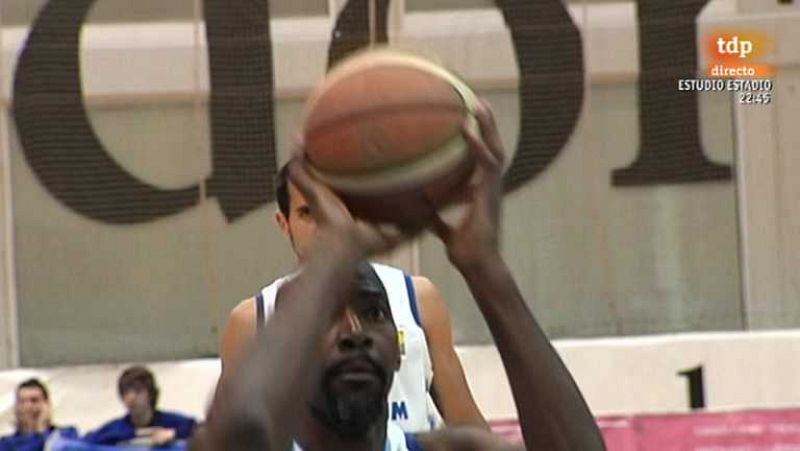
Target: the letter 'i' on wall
pixel 242 118
pixel 670 150
pixel 352 30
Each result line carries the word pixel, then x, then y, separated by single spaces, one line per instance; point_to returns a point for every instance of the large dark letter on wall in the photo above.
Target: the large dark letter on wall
pixel 550 58
pixel 57 137
pixel 352 30
pixel 670 149
pixel 242 121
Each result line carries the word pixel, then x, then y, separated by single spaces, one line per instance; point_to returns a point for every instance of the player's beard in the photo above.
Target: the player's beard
pixel 351 413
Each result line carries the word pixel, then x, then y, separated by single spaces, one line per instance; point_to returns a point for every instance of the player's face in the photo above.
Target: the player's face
pixel 137 401
pixel 299 227
pixel 360 356
pixel 31 408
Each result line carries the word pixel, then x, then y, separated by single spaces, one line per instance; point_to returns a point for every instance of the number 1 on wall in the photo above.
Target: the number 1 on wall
pixel 694 376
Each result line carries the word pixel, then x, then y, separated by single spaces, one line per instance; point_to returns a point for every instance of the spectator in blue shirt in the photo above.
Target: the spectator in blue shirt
pixel 144 424
pixel 32 412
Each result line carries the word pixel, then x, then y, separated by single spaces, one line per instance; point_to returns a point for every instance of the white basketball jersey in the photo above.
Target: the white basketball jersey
pixel 409 405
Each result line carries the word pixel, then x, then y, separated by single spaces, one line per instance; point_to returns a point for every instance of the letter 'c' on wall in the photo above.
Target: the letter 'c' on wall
pixel 57 137
pixel 74 166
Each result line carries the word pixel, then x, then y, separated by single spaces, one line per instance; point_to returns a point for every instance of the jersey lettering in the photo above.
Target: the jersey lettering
pixel 399 411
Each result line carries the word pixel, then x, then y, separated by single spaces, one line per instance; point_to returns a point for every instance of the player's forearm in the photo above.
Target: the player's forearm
pixel 552 411
pixel 308 304
pixel 263 395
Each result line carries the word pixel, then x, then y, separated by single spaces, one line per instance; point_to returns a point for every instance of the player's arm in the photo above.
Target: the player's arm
pixel 256 406
pixel 552 412
pixel 463 438
pixel 451 391
pixel 239 332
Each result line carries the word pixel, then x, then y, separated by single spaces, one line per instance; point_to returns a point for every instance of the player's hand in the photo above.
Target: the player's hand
pixel 41 419
pixel 334 220
pixel 157 436
pixel 474 237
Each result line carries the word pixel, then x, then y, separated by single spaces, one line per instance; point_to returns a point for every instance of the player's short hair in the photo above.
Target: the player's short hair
pixel 282 190
pixel 370 284
pixel 34 383
pixel 138 377
pixel 368 279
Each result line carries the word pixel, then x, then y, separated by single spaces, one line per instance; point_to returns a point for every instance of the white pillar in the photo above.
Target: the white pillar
pixel 9 346
pixel 768 162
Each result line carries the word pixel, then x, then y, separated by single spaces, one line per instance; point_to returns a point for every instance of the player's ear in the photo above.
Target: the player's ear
pixel 283 223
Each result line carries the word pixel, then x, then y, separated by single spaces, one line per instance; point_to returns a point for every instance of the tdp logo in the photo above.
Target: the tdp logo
pixel 738 54
pixel 399 410
pixel 734 46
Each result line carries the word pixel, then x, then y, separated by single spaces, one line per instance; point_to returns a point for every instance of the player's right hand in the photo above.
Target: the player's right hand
pixel 333 219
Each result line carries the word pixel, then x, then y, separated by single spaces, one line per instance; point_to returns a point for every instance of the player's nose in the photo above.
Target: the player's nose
pixel 350 322
pixel 351 334
pixel 354 341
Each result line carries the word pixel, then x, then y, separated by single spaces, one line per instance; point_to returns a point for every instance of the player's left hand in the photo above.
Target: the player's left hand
pixel 474 237
pixel 41 419
pixel 157 436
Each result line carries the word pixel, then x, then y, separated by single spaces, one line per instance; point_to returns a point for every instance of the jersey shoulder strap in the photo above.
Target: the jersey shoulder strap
pixel 259 311
pixel 266 297
pixel 412 298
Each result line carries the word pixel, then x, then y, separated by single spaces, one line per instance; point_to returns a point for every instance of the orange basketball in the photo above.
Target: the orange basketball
pixel 383 129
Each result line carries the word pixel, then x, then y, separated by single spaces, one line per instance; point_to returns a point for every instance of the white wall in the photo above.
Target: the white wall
pixel 640 374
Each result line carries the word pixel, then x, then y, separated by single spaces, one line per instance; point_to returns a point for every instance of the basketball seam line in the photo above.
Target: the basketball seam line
pixel 383 110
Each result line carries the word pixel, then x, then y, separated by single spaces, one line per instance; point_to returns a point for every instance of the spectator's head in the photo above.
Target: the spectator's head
pixel 293 215
pixel 138 391
pixel 32 406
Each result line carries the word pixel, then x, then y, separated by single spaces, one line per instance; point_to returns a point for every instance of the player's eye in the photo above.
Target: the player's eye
pixel 303 212
pixel 375 314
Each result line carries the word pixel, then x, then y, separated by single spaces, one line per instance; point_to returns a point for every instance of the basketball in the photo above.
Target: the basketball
pixel 383 129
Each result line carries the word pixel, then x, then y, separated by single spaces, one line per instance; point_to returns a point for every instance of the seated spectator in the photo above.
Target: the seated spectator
pixel 34 425
pixel 144 424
